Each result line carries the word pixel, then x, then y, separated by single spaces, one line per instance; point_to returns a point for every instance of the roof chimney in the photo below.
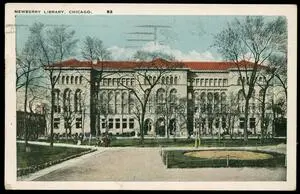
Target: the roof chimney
pixel 95 61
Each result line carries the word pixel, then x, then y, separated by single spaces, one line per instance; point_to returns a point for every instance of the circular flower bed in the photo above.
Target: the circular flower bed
pixel 232 154
pixel 217 158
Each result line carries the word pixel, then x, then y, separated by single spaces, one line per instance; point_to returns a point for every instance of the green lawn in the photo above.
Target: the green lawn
pixel 191 142
pixel 182 142
pixel 177 159
pixel 41 154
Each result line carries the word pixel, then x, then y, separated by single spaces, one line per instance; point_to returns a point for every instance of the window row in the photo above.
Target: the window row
pixel 203 122
pixel 243 80
pixel 67 101
pixel 209 82
pixel 67 123
pixel 117 123
pixel 168 80
pixel 209 96
pixel 116 82
pixel 68 79
pixel 116 102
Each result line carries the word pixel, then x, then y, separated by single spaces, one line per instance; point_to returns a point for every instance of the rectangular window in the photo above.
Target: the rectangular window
pixel 124 123
pixel 56 123
pixel 110 123
pixel 105 82
pixel 132 81
pixel 201 82
pixel 78 123
pixel 215 82
pixel 109 81
pixel 118 81
pixel 131 123
pixel 242 123
pixel 197 82
pixel 117 123
pixel 219 82
pixel 206 82
pixel 103 123
pixel 252 123
pixel 224 82
pixel 210 82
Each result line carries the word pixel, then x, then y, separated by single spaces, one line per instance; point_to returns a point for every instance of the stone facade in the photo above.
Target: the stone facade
pixel 200 96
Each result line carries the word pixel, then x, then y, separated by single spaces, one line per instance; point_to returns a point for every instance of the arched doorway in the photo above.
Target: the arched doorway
pixel 172 126
pixel 160 127
pixel 148 126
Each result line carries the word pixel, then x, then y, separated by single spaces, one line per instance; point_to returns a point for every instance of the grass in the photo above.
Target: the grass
pixel 182 142
pixel 191 142
pixel 180 159
pixel 40 154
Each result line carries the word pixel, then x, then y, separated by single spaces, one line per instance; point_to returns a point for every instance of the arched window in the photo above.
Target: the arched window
pixel 76 80
pixel 63 80
pixel 67 100
pixel 173 98
pixel 103 103
pixel 54 78
pixel 160 96
pixel 80 79
pixel 132 81
pixel 209 102
pixel 154 79
pixel 67 80
pixel 175 80
pixel 171 79
pixel 240 96
pixel 196 101
pixel 131 102
pixel 111 102
pixel 124 102
pixel 203 102
pixel 216 102
pixel 163 80
pixel 223 102
pixel 241 101
pixel 72 79
pixel 118 102
pixel 167 80
pixel 56 105
pixel 78 101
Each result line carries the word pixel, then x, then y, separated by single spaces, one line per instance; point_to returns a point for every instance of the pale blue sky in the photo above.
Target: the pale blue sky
pixel 189 37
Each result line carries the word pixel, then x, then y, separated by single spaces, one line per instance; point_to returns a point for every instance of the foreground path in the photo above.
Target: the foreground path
pixel 145 164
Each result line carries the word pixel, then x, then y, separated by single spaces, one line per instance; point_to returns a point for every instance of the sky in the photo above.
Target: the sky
pixel 188 38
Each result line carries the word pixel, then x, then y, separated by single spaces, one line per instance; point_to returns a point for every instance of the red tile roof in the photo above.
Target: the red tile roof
pixel 73 63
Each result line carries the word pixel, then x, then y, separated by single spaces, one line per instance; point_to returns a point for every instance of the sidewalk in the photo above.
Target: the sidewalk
pixel 58 144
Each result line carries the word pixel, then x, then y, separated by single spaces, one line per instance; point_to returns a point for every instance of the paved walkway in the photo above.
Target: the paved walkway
pixel 145 164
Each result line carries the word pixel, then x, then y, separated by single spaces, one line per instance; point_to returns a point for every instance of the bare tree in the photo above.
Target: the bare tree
pixel 27 76
pixel 54 45
pixel 146 76
pixel 252 39
pixel 93 50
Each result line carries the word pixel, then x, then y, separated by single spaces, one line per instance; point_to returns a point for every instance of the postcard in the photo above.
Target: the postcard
pixel 150 96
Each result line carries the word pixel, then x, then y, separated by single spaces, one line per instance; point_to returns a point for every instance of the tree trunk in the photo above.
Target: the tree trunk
pixel 27 149
pixel 52 113
pixel 262 123
pixel 246 120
